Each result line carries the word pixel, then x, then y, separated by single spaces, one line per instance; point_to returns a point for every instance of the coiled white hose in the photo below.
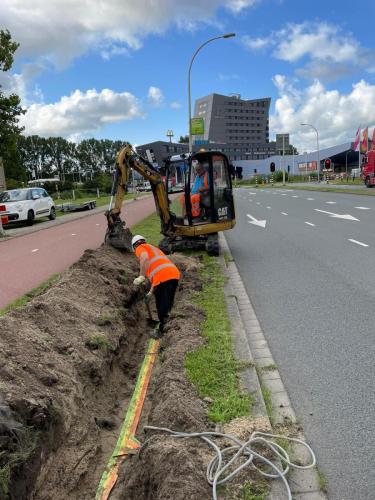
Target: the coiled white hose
pixel 217 466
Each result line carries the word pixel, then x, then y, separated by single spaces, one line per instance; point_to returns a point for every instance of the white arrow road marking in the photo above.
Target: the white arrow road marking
pixel 358 243
pixel 363 208
pixel 331 202
pixel 310 224
pixel 284 213
pixel 261 223
pixel 337 216
pixel 35 250
pixel 311 199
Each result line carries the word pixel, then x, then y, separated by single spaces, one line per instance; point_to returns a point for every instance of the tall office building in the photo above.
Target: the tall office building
pixel 239 127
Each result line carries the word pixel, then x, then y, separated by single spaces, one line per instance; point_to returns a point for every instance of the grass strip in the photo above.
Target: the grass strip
pixel 213 367
pixel 24 299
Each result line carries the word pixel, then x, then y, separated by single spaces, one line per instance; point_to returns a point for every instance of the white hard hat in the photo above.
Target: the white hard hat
pixel 137 238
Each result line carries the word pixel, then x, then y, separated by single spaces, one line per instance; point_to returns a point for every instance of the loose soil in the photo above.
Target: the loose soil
pixel 68 365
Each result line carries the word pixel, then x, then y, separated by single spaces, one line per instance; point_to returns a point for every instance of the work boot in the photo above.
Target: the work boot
pixel 156 334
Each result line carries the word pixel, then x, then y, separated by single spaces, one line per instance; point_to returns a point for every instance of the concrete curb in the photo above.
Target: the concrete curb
pixel 251 345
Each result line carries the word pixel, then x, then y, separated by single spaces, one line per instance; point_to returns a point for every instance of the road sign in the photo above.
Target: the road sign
pixel 197 126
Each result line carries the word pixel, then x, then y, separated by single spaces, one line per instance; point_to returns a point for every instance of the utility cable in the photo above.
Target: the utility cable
pixel 226 457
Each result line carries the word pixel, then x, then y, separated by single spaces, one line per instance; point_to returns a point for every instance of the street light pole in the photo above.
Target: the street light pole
pixel 317 145
pixel 228 35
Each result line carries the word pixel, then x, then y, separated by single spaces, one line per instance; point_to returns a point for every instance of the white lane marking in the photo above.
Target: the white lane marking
pixel 97 224
pixel 331 202
pixel 251 192
pixel 358 242
pixel 283 194
pixel 284 213
pixel 35 250
pixel 337 216
pixel 258 203
pixel 295 196
pixel 309 223
pixel 268 207
pixel 260 223
pixel 74 234
pixel 363 208
pixel 311 199
pixel 250 199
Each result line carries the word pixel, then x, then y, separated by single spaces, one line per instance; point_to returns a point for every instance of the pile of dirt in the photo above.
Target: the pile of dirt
pixel 68 364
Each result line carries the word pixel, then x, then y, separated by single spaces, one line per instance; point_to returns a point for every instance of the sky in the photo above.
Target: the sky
pixel 117 69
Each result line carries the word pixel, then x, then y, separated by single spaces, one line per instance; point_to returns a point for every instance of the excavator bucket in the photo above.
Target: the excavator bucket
pixel 119 237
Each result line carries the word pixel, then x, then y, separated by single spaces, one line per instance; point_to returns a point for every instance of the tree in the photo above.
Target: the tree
pixel 10 110
pixel 184 139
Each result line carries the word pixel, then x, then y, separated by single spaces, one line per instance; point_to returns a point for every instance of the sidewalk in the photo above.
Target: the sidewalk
pixel 251 346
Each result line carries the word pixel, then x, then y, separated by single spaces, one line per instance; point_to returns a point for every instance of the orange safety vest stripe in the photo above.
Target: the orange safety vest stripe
pixel 205 181
pixel 159 267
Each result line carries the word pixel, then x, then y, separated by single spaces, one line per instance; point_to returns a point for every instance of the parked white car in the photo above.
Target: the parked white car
pixel 27 204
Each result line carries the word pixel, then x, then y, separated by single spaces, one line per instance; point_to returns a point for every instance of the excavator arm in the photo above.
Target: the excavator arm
pixel 117 234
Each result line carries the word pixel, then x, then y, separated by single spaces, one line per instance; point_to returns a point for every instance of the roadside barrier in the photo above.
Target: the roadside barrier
pixel 127 443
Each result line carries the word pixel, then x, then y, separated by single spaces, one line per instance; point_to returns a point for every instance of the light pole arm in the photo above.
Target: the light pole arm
pixel 189 74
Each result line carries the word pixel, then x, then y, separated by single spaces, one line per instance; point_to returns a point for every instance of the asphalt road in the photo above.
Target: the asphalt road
pixel 33 254
pixel 310 276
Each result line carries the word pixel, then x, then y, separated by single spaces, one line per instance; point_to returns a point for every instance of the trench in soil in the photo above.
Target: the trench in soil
pixel 68 366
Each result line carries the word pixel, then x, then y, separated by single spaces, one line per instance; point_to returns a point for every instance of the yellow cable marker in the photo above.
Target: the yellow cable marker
pixel 127 442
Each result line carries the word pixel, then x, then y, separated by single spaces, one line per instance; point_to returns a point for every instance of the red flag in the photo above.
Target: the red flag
pixel 373 139
pixel 364 143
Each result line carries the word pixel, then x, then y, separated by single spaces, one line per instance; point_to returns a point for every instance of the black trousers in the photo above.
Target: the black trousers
pixel 164 298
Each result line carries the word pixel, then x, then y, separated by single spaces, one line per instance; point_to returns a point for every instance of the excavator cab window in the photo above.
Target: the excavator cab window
pixel 210 190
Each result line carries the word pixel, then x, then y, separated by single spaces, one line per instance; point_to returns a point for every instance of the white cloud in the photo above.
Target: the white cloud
pixel 59 30
pixel 255 44
pixel 155 96
pixel 330 53
pixel 175 105
pixel 225 77
pixel 238 5
pixel 334 114
pixel 80 113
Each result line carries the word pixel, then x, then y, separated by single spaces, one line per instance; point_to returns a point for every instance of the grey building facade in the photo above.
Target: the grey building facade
pixel 238 127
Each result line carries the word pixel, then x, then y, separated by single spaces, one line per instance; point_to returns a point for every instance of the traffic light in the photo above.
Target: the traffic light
pixel 327 164
pixel 272 166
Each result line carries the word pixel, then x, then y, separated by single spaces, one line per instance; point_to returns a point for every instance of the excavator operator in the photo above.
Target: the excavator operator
pixel 163 275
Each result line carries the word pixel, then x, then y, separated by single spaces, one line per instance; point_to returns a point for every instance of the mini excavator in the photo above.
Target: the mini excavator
pixel 190 217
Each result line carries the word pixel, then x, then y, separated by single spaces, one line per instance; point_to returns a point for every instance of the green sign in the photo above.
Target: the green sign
pixel 197 126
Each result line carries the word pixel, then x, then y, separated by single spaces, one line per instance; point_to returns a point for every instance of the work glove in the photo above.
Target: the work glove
pixel 139 280
pixel 148 297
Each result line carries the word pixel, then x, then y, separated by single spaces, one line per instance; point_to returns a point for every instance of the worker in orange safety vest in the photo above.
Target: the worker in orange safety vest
pixel 163 275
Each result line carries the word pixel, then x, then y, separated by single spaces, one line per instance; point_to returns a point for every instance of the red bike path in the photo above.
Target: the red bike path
pixel 28 260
